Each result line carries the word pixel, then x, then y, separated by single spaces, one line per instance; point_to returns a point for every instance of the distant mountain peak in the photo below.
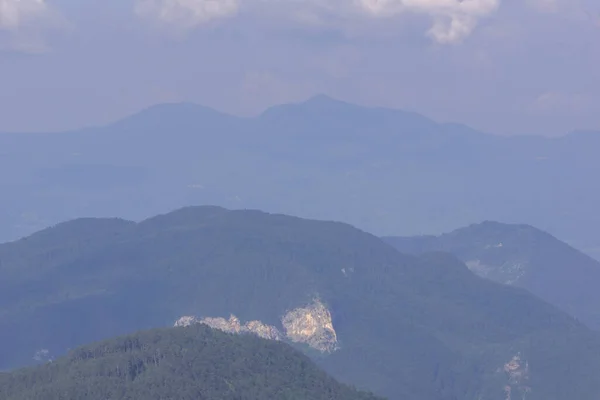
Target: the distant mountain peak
pixel 323 100
pixel 495 227
pixel 340 116
pixel 524 256
pixel 315 104
pixel 175 108
pixel 169 114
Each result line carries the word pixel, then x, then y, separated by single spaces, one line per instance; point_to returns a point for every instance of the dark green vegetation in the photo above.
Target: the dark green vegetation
pixel 522 256
pixel 408 327
pixel 192 363
pixel 389 172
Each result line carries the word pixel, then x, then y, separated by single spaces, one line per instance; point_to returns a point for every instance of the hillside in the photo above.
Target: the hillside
pixel 521 256
pixel 191 363
pixel 401 326
pixel 387 171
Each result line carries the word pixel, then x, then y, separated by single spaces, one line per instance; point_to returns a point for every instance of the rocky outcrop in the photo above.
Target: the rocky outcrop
pixel 311 325
pixel 42 356
pixel 233 325
pixel 263 330
pixel 186 321
pixel 517 372
pixel 509 272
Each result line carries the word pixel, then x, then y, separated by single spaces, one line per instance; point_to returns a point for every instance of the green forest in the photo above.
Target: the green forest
pixel 195 362
pixel 408 327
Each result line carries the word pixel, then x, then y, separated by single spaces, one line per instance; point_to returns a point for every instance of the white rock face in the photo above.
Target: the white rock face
pixel 43 355
pixel 508 273
pixel 517 371
pixel 233 325
pixel 311 325
pixel 186 321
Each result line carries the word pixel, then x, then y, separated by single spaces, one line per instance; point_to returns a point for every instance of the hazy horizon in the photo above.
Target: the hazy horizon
pixel 400 193
pixel 257 114
pixel 497 66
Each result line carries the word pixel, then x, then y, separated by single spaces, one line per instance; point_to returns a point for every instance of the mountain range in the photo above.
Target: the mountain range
pixel 387 171
pixel 521 256
pixel 401 326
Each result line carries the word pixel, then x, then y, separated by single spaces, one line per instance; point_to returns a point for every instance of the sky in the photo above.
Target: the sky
pixel 501 66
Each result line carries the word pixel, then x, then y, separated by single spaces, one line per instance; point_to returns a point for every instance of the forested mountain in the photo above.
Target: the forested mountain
pixel 522 256
pixel 387 171
pixel 402 326
pixel 193 363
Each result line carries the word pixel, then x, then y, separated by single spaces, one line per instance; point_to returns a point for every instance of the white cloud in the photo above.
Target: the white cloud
pixel 17 14
pixel 453 20
pixel 25 25
pixel 185 14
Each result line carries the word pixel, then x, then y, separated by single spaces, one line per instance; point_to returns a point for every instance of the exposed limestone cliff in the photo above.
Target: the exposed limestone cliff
pixel 43 355
pixel 509 272
pixel 233 325
pixel 517 372
pixel 263 330
pixel 311 325
pixel 186 321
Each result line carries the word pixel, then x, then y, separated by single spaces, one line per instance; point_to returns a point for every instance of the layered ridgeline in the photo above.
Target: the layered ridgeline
pixel 522 256
pixel 385 171
pixel 402 326
pixel 193 363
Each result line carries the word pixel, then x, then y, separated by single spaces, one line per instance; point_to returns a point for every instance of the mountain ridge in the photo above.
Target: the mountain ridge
pixel 185 363
pixel 404 326
pixel 416 174
pixel 523 256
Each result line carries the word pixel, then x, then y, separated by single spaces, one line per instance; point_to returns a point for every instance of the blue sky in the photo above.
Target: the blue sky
pixel 503 66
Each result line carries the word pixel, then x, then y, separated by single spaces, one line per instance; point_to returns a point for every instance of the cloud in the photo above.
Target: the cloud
pixel 453 20
pixel 185 14
pixel 15 14
pixel 24 24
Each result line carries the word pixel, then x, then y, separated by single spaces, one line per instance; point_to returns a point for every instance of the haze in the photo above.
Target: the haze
pixel 299 199
pixel 504 67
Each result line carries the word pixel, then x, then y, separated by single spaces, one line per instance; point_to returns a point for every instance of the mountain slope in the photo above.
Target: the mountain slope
pixel 386 171
pixel 181 363
pixel 522 256
pixel 402 326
